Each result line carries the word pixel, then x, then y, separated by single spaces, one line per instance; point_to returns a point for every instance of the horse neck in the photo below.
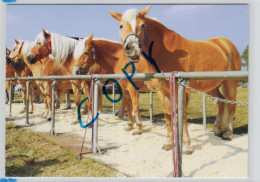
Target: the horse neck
pixel 68 65
pixel 165 42
pixel 109 57
pixel 35 68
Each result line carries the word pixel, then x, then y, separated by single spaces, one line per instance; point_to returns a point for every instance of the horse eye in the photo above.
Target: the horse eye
pixel 38 43
pixel 121 26
pixel 143 26
pixel 86 53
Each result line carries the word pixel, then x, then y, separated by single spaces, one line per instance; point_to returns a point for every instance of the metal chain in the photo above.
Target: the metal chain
pixel 216 99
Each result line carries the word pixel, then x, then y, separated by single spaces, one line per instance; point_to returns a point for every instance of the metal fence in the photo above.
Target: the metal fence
pixel 225 75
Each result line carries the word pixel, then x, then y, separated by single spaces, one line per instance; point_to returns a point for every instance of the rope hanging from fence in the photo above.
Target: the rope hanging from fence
pixel 174 129
pixel 90 103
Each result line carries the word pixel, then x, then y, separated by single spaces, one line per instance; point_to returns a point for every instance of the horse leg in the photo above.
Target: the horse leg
pixel 164 97
pixel 57 103
pixel 68 99
pixel 100 98
pixel 129 109
pixel 48 93
pixel 221 114
pixel 23 92
pixel 134 94
pixel 121 113
pixel 85 86
pixel 31 101
pixel 76 90
pixel 7 85
pixel 229 88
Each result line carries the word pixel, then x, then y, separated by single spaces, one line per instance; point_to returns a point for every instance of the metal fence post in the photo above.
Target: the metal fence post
pixel 114 107
pixel 10 99
pixel 204 113
pixel 181 95
pixel 27 102
pixel 95 124
pixel 151 106
pixel 53 109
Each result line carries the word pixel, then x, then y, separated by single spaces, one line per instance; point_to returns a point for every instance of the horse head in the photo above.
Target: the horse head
pixel 132 31
pixel 15 53
pixel 84 55
pixel 41 48
pixel 7 58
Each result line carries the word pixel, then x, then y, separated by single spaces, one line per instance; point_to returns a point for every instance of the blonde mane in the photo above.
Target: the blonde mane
pixel 27 47
pixel 62 47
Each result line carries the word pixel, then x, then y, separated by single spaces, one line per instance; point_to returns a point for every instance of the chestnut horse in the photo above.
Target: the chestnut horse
pixel 170 51
pixel 21 70
pixel 18 55
pixel 98 56
pixel 52 54
pixel 9 73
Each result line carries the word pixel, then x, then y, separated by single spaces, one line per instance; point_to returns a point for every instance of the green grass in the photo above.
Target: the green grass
pixel 29 154
pixel 194 111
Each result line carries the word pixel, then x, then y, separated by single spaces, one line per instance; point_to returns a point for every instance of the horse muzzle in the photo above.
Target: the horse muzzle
pixel 31 58
pixel 76 70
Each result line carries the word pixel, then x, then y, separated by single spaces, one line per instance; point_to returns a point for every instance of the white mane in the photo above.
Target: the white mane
pixel 27 47
pixel 62 47
pixel 79 49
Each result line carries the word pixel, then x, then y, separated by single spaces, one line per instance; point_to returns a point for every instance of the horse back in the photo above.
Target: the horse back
pixel 230 51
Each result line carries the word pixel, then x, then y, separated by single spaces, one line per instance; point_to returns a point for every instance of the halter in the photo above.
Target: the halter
pixel 93 58
pixel 141 42
pixel 46 47
pixel 20 50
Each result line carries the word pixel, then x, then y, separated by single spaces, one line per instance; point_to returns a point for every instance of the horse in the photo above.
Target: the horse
pixel 52 54
pixel 169 51
pixel 9 73
pixel 18 57
pixel 21 70
pixel 99 56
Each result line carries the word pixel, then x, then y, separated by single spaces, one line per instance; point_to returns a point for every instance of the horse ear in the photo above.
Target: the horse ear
pixel 115 15
pixel 89 40
pixel 17 42
pixel 144 11
pixel 45 34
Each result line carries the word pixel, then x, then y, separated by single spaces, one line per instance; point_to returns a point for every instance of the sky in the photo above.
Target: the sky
pixel 194 22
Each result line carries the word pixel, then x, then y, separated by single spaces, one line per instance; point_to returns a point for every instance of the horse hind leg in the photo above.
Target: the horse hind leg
pixel 222 114
pixel 229 89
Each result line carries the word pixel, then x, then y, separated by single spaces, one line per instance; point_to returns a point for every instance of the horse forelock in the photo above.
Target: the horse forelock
pixel 130 16
pixel 27 47
pixel 62 47
pixel 79 49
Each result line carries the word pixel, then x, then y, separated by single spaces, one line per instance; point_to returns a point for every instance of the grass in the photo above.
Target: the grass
pixel 194 111
pixel 29 154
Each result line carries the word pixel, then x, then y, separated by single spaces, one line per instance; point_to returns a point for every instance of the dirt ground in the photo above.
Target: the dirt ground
pixel 141 155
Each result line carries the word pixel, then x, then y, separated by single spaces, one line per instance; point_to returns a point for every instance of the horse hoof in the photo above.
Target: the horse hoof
pixel 186 149
pixel 21 112
pixel 227 135
pixel 68 107
pixel 128 128
pixel 167 147
pixel 217 131
pixel 137 132
pixel 30 112
pixel 75 122
pixel 48 119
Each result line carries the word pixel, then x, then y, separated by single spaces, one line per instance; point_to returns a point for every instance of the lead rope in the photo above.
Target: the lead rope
pixel 174 128
pixel 90 102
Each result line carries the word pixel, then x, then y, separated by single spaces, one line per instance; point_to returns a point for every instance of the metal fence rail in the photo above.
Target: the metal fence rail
pixel 226 75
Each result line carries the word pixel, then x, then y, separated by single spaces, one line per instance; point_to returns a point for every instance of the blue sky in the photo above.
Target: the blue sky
pixel 194 22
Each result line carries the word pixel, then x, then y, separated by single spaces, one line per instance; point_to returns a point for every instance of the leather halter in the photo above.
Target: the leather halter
pixel 139 39
pixel 46 47
pixel 20 50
